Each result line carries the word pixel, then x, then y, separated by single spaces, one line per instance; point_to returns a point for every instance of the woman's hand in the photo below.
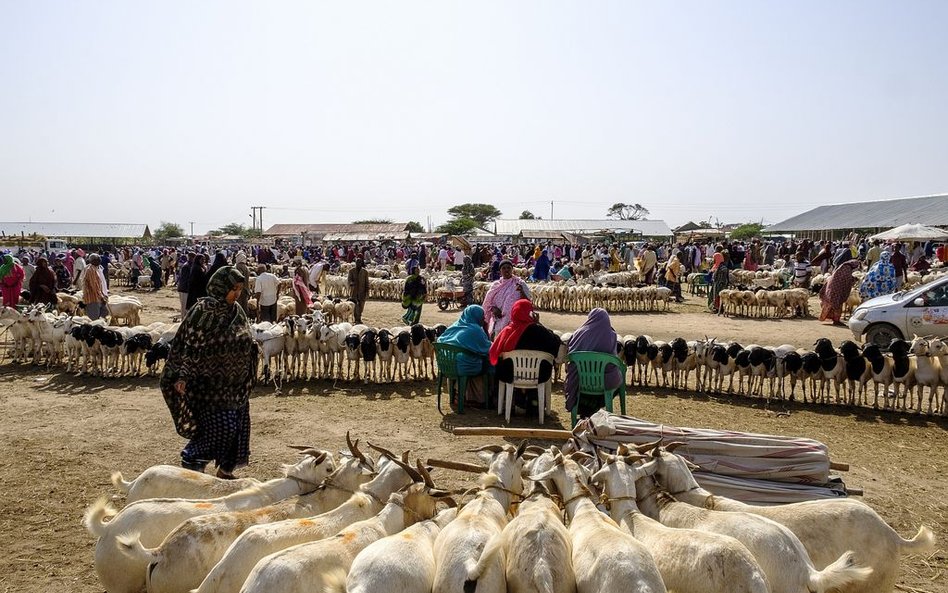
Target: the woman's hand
pixel 180 386
pixel 496 312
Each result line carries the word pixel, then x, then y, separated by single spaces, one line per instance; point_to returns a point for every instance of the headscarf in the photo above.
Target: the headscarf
pixel 299 284
pixel 7 266
pixel 220 260
pixel 594 335
pixel 718 260
pixel 214 353
pixel 467 274
pixel 468 331
pixel 521 317
pixel 881 278
pixel 840 284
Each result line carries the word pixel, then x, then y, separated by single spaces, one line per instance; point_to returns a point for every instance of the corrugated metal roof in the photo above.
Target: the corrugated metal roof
pixel 555 235
pixel 648 228
pixel 77 229
pixel 397 236
pixel 315 229
pixel 930 210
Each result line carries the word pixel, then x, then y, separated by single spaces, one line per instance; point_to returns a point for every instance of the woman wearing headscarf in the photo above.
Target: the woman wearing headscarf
pixel 750 263
pixel 500 298
pixel 11 280
pixel 220 260
pixel 614 261
pixel 541 269
pixel 43 284
pixel 467 281
pixel 720 278
pixel 95 294
pixel 881 278
pixel 673 277
pixel 197 280
pixel 63 279
pixel 207 380
pixel 301 295
pixel 594 335
pixel 523 332
pixel 413 296
pixel 468 333
pixel 836 291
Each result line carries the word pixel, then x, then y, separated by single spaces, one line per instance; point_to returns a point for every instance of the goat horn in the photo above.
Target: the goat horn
pixel 521 448
pixel 424 474
pixel 412 472
pixel 536 449
pixel 301 447
pixel 391 456
pixel 670 447
pixel 647 446
pixel 405 455
pixel 318 458
pixel 354 448
pixel 488 448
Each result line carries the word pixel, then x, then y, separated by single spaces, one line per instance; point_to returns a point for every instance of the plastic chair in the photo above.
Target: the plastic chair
pixel 591 367
pixel 446 356
pixel 526 375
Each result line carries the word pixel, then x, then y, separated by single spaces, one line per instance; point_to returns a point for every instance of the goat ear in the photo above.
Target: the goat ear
pixel 646 469
pixel 485 456
pixel 543 476
pixel 598 477
pixel 521 448
pixel 691 466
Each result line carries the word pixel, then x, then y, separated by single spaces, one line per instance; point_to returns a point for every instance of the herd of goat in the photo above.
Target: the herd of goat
pixel 324 345
pixel 538 520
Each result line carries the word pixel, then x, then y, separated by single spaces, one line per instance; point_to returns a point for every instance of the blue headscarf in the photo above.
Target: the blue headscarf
pixel 468 333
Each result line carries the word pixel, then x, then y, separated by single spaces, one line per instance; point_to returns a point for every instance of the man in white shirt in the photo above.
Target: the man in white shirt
pixel 315 275
pixel 443 259
pixel 266 287
pixel 78 266
pixel 458 258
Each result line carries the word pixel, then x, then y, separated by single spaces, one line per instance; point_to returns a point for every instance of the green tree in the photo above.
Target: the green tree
pixel 481 214
pixel 527 215
pixel 252 233
pixel 414 227
pixel 234 228
pixel 167 230
pixel 374 221
pixel 627 211
pixel 747 230
pixel 457 226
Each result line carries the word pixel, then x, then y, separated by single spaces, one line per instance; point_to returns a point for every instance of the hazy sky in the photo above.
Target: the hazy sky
pixel 132 111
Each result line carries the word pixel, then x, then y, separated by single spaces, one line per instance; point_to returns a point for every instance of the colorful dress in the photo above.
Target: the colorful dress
pixel 881 278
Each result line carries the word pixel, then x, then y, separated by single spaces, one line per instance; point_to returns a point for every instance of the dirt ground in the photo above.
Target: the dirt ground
pixel 62 436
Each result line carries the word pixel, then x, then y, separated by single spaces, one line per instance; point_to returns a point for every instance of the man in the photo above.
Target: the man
pixel 648 260
pixel 499 301
pixel 266 287
pixel 184 281
pixel 78 266
pixel 872 255
pixel 901 265
pixel 358 288
pixel 316 275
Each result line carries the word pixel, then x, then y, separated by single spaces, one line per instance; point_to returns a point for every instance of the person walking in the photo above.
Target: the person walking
pixel 183 281
pixel 95 294
pixel 836 291
pixel 413 297
pixel 301 294
pixel 207 380
pixel 197 280
pixel 358 279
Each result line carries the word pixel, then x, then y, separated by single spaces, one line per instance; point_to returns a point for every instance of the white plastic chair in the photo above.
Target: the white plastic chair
pixel 526 375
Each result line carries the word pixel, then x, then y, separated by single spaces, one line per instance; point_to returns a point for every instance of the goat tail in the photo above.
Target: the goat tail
pixel 543 576
pixel 94 519
pixel 838 574
pixel 924 541
pixel 475 569
pixel 119 482
pixel 130 544
pixel 335 581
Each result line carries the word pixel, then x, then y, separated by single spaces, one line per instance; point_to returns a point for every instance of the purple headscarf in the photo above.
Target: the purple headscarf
pixel 595 335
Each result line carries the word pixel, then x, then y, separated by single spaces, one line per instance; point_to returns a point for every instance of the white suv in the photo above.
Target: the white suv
pixel 921 311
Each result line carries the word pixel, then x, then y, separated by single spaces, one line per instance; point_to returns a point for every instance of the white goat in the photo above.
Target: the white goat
pixel 170 481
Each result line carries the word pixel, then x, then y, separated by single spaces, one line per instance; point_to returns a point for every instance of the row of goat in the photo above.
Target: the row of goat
pixel 346 522
pixel 840 375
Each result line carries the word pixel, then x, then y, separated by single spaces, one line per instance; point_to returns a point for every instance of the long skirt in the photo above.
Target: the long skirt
pixel 223 437
pixel 412 314
pixel 831 312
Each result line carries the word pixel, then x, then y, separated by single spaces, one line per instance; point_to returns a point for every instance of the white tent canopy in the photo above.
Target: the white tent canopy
pixel 912 232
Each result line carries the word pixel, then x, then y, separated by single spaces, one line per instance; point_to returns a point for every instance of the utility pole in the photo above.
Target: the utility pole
pixel 257 221
pixel 192 229
pixel 551 209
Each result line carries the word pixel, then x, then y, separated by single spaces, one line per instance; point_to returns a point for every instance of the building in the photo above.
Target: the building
pixel 577 230
pixel 80 233
pixel 308 234
pixel 839 220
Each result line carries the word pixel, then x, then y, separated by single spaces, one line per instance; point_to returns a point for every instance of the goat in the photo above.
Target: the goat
pixel 169 481
pixel 827 529
pixel 903 371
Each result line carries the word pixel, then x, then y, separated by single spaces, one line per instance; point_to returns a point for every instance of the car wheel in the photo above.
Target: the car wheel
pixel 882 334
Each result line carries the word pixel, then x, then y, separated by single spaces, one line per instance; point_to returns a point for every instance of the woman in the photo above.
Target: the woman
pixel 836 291
pixel 881 278
pixel 614 261
pixel 673 277
pixel 95 294
pixel 301 293
pixel 468 333
pixel 541 270
pixel 63 279
pixel 720 279
pixel 750 264
pixel 220 260
pixel 523 332
pixel 467 281
pixel 413 297
pixel 207 380
pixel 43 284
pixel 197 280
pixel 11 280
pixel 594 335
pixel 500 298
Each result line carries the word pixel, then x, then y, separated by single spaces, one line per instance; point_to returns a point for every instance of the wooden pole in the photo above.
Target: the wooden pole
pixel 457 465
pixel 522 433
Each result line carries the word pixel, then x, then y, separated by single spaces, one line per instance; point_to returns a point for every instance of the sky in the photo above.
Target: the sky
pixel 182 111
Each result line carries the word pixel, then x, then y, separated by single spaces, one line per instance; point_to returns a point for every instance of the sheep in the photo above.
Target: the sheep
pixel 260 541
pixel 149 521
pixel 927 372
pixel 323 565
pixel 605 558
pixel 826 528
pixel 403 562
pixel 535 546
pixel 681 555
pixel 169 481
pixel 938 347
pixel 125 308
pixel 857 371
pixel 459 545
pixel 903 371
pixel 834 369
pixel 189 552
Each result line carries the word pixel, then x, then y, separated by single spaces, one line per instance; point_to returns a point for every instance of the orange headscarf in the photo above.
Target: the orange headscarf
pixel 521 317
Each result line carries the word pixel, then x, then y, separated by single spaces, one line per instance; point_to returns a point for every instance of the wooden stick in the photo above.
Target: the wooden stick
pixel 855 491
pixel 523 433
pixel 840 467
pixel 458 465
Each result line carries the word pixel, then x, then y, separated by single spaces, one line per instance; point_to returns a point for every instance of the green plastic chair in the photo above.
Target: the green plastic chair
pixel 446 355
pixel 591 367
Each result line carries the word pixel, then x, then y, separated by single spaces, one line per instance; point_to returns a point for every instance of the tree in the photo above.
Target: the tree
pixel 167 230
pixel 481 214
pixel 527 215
pixel 414 227
pixel 457 226
pixel 627 211
pixel 746 231
pixel 234 228
pixel 374 221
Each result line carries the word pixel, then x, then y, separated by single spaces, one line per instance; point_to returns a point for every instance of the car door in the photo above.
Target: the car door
pixel 927 314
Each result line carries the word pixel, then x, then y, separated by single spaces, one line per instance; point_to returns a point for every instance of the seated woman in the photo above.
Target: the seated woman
pixel 594 335
pixel 468 333
pixel 524 332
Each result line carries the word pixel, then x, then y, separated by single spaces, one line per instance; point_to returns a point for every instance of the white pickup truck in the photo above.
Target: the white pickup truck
pixel 921 311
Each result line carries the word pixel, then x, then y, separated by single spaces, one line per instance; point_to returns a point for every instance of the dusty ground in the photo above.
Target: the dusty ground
pixel 63 436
